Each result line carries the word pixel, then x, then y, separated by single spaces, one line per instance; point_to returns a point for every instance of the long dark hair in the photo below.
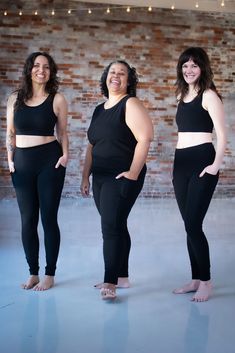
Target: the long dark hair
pixel 132 79
pixel 205 81
pixel 25 92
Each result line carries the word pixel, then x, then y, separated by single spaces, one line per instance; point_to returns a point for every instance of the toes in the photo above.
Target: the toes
pixel 200 299
pixel 107 293
pixel 29 286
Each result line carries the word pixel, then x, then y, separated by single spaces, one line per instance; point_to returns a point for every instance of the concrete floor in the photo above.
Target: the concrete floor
pixel 147 318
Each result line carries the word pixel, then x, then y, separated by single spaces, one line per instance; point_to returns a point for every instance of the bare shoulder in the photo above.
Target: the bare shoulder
pixel 210 98
pixel 60 105
pixel 132 101
pixel 60 98
pixel 209 94
pixel 12 98
pixel 137 116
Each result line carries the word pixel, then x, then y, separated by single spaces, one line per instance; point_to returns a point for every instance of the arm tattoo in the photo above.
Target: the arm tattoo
pixel 10 142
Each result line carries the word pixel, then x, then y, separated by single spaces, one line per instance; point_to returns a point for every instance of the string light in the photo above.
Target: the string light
pixel 106 9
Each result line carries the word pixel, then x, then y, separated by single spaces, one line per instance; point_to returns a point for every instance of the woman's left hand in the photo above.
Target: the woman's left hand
pixel 63 160
pixel 127 175
pixel 210 169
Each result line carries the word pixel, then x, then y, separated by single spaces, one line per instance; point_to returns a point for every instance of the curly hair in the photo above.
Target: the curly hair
pixel 25 92
pixel 205 81
pixel 132 79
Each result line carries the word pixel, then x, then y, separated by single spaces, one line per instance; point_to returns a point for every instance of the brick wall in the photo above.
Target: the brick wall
pixel 83 44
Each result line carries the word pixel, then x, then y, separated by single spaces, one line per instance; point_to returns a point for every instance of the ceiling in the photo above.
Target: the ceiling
pixel 203 5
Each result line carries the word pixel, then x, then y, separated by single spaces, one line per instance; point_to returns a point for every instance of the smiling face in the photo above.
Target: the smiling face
pixel 191 72
pixel 117 78
pixel 40 73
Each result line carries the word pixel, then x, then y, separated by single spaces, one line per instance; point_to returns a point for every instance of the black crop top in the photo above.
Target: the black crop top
pixel 39 120
pixel 112 140
pixel 192 117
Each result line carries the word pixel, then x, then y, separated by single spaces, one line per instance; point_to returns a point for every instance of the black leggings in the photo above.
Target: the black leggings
pixel 38 185
pixel 193 195
pixel 114 199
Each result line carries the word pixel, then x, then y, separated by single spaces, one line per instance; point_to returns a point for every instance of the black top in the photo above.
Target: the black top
pixel 39 120
pixel 112 140
pixel 192 117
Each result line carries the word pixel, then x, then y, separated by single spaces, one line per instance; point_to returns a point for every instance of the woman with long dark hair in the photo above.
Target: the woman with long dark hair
pixel 119 138
pixel 197 161
pixel 37 160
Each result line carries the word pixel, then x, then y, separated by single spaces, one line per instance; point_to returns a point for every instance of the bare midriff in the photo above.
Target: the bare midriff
pixel 190 139
pixel 31 140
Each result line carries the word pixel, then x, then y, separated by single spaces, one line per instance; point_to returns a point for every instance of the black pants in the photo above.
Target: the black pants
pixel 38 185
pixel 114 199
pixel 193 195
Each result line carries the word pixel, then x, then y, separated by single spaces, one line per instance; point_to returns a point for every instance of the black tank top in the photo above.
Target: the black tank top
pixel 112 140
pixel 39 120
pixel 192 117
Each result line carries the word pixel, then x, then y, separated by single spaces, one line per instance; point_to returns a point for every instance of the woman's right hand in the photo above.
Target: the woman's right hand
pixel 11 166
pixel 85 187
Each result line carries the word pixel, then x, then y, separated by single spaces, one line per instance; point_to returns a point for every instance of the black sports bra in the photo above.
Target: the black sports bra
pixel 192 117
pixel 39 120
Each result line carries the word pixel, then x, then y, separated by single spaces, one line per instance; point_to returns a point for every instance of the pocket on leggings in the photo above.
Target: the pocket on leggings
pixel 127 186
pixel 13 178
pixel 208 181
pixel 211 175
pixel 61 165
pixel 61 171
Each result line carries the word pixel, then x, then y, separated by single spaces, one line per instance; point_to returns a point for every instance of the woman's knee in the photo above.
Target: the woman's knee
pixel 193 227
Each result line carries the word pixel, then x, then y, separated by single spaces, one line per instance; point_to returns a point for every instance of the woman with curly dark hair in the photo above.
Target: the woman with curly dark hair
pixel 197 162
pixel 119 138
pixel 37 160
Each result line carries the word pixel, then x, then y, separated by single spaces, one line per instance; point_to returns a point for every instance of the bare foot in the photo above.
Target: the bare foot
pixel 108 291
pixel 189 287
pixel 31 282
pixel 204 292
pixel 123 282
pixel 46 283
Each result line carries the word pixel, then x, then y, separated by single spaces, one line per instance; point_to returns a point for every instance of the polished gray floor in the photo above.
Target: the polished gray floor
pixel 147 318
